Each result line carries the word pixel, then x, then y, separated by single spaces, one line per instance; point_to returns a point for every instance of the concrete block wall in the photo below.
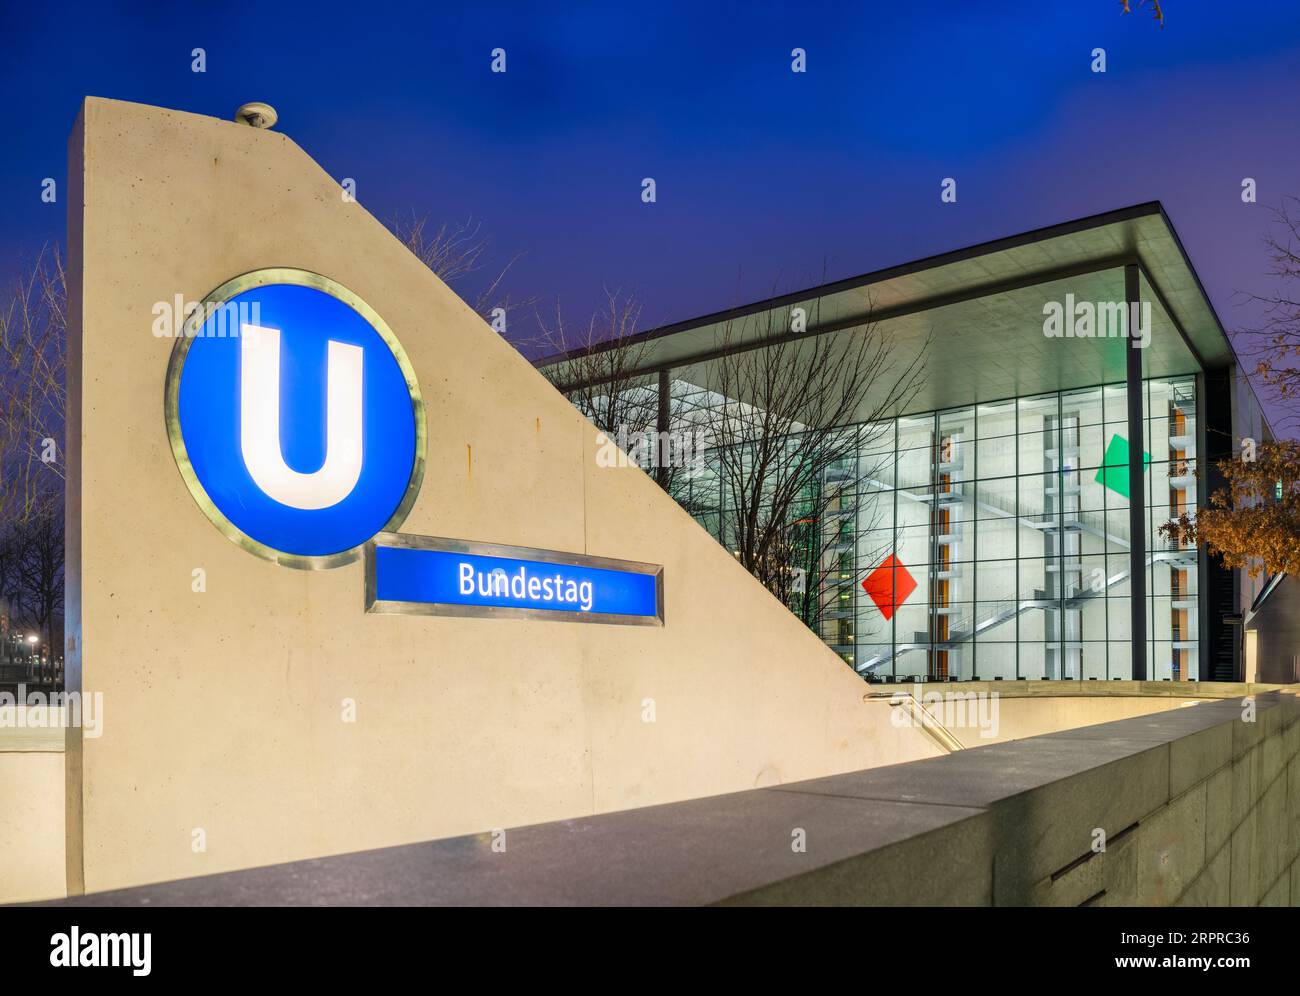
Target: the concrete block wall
pixel 1194 806
pixel 31 824
pixel 1199 805
pixel 1217 822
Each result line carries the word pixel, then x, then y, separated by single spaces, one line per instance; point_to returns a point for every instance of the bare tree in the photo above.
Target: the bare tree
pixel 454 252
pixel 1253 522
pixel 598 364
pixel 10 585
pixel 33 393
pixel 600 367
pixel 33 405
pixel 1157 14
pixel 785 420
pixel 1276 339
pixel 39 545
pixel 793 418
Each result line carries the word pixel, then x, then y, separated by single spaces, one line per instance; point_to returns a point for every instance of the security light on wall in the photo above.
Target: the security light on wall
pixel 257 115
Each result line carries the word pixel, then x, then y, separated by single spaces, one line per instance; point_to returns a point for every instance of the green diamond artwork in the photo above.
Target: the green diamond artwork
pixel 1113 472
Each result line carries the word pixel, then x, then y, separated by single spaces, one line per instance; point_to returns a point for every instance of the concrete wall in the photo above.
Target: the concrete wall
pixel 1197 806
pixel 32 786
pixel 31 824
pixel 223 709
pixel 1273 634
pixel 1226 831
pixel 31 776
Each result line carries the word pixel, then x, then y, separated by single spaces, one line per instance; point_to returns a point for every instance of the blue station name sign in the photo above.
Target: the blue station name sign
pixel 425 575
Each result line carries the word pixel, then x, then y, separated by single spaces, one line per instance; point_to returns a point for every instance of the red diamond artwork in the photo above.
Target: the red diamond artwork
pixel 889 585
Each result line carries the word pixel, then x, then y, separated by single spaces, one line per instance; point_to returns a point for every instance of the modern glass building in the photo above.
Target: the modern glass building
pixel 1005 525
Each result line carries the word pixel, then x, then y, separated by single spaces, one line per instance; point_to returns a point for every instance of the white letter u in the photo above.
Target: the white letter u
pixel 259 422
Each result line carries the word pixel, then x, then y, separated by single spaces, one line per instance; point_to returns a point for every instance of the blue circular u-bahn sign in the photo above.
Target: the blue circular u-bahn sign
pixel 295 418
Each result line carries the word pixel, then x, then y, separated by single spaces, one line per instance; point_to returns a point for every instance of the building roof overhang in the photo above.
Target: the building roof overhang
pixel 980 312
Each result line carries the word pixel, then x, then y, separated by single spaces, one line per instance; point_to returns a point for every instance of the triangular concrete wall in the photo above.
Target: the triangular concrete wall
pixel 223 708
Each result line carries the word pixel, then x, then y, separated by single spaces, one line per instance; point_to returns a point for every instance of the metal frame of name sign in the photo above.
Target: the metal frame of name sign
pixel 439 544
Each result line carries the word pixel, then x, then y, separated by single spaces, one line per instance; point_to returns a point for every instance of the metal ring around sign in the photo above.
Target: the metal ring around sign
pixel 171 404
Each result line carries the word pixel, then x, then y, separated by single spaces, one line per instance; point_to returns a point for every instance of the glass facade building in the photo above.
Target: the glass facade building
pixel 986 529
pixel 992 541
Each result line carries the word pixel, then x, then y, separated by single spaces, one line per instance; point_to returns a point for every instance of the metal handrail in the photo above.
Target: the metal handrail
pixel 928 723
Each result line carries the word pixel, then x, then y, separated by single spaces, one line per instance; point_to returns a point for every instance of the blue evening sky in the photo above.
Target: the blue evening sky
pixel 764 176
